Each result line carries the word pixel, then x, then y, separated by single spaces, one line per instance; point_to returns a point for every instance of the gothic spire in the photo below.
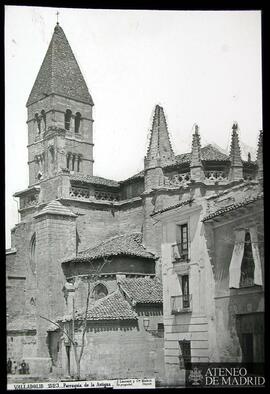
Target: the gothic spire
pixel 196 167
pixel 260 156
pixel 196 148
pixel 160 145
pixel 235 155
pixel 60 73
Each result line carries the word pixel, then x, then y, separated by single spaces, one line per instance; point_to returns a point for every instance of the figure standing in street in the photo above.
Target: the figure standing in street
pixel 9 366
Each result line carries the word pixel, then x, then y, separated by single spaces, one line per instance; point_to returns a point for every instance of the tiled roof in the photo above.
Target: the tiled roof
pixel 183 158
pixel 139 175
pixel 96 180
pixel 55 208
pixel 208 153
pixel 180 204
pixel 142 290
pixel 129 245
pixel 111 307
pixel 232 207
pixel 60 73
pixel 22 323
pixel 29 190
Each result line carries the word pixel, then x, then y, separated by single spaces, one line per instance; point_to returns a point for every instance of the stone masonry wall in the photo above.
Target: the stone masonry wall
pixel 122 350
pixel 230 302
pixel 56 238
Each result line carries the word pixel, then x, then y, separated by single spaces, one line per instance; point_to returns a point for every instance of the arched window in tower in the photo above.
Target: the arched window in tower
pixel 32 253
pixel 43 120
pixel 247 266
pixel 77 122
pixel 68 115
pixel 100 291
pixel 37 119
pixel 68 160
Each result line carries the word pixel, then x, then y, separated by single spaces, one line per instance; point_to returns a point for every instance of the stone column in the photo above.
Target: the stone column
pixel 68 157
pixel 80 163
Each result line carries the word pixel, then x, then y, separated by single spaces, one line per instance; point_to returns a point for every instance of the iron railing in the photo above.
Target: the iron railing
pixel 180 252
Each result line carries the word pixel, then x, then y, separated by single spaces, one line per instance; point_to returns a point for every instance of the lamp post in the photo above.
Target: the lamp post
pixel 145 323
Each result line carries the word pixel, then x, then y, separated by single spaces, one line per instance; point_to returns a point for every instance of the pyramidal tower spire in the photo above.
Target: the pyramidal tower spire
pixel 60 73
pixel 236 171
pixel 260 156
pixel 160 147
pixel 159 152
pixel 196 167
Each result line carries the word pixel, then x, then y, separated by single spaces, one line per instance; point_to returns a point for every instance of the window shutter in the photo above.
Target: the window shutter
pixel 256 256
pixel 236 261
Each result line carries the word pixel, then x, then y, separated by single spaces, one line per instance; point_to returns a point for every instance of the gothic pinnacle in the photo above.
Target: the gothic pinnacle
pixel 236 172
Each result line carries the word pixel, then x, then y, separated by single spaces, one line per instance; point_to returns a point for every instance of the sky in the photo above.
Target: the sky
pixel 203 67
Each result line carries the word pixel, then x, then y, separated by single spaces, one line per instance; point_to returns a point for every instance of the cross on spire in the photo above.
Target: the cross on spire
pixel 57 14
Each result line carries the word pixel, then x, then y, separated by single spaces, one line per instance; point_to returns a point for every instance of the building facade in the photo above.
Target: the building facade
pixel 213 276
pixel 72 221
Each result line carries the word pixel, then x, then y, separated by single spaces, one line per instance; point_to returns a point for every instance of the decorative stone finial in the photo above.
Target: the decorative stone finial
pixel 235 126
pixel 236 172
pixel 196 168
pixel 57 14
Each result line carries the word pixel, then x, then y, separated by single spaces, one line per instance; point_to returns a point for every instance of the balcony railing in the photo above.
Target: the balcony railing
pixel 215 175
pixel 177 180
pixel 86 194
pixel 180 252
pixel 181 304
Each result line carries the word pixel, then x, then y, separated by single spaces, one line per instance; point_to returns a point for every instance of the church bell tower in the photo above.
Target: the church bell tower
pixel 60 122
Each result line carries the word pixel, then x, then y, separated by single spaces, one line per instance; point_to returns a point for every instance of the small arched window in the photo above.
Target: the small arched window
pixel 100 291
pixel 247 266
pixel 68 115
pixel 37 119
pixel 77 122
pixel 32 253
pixel 43 118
